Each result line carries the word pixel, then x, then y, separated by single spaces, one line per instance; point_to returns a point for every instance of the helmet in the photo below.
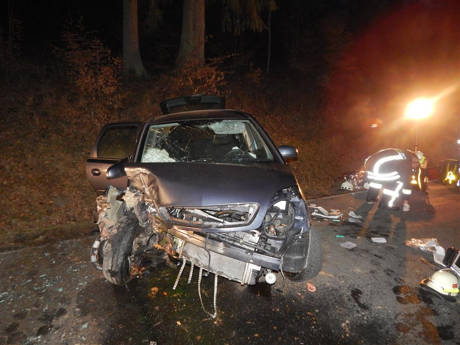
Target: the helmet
pixel 346 186
pixel 442 281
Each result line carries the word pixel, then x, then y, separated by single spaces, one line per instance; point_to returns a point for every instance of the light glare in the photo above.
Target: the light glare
pixel 419 108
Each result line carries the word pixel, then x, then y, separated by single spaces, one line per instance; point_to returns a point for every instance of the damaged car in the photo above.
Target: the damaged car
pixel 207 187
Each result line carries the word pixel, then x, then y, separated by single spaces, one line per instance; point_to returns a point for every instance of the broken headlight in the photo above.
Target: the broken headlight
pixel 288 212
pixel 279 219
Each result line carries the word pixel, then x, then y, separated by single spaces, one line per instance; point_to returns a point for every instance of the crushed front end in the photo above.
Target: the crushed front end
pixel 201 236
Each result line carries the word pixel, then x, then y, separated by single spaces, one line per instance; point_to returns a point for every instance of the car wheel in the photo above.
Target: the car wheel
pixel 117 249
pixel 313 260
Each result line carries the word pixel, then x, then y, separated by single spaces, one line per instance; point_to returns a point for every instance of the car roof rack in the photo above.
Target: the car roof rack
pixel 194 102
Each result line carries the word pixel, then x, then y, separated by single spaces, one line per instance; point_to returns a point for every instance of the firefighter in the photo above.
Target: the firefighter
pixel 422 176
pixel 388 172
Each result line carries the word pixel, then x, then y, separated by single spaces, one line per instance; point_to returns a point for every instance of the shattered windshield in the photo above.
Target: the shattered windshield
pixel 214 141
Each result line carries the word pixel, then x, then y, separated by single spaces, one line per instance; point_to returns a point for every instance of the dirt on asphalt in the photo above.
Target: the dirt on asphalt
pixel 367 295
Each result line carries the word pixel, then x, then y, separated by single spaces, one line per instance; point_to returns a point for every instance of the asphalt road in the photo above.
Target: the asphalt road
pixel 367 295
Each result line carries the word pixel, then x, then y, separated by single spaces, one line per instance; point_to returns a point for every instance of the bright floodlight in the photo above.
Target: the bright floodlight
pixel 420 108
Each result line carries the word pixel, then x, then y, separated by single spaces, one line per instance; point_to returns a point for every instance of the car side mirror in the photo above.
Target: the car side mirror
pixel 289 153
pixel 117 170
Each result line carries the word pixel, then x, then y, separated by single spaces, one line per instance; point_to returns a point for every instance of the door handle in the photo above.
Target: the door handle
pixel 95 172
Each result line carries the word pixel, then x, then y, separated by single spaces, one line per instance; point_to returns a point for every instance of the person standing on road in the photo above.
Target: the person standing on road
pixel 422 171
pixel 388 172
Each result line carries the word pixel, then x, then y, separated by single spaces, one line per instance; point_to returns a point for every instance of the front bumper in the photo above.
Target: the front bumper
pixel 226 260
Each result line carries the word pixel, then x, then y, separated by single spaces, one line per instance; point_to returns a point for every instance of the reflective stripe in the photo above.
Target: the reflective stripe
pixel 375 174
pixel 450 177
pixel 393 193
pixel 384 160
pixel 407 191
pixel 375 185
pixel 393 176
pixel 388 192
pixel 419 181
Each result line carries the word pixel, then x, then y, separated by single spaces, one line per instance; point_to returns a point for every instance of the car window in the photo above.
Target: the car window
pixel 213 141
pixel 117 142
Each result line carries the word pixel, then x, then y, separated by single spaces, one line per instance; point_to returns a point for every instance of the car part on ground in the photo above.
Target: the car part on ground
pixel 334 216
pixel 451 259
pixel 346 185
pixel 353 181
pixel 319 212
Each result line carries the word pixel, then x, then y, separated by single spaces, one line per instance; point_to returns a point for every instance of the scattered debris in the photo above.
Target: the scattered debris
pixel 339 236
pixel 429 245
pixel 322 213
pixel 452 260
pixel 438 255
pixel 354 218
pixel 353 181
pixel 425 244
pixel 354 215
pixel 346 185
pixel 378 240
pixel 319 209
pixel 348 245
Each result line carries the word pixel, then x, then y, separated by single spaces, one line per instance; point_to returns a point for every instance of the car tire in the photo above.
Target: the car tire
pixel 117 249
pixel 313 260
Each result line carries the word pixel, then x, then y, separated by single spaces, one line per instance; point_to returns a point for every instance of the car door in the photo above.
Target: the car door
pixel 116 141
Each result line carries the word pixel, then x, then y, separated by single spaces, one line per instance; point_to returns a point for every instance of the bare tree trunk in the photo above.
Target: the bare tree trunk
pixel 132 62
pixel 269 44
pixel 11 28
pixel 191 48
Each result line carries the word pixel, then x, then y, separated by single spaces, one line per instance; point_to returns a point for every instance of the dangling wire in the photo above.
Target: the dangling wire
pixel 180 273
pixel 191 273
pixel 213 316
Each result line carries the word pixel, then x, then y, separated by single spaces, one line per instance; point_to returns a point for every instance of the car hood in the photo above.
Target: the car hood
pixel 197 185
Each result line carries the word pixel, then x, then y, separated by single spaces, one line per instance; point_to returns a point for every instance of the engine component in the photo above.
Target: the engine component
pixel 279 219
pixel 216 263
pixel 220 216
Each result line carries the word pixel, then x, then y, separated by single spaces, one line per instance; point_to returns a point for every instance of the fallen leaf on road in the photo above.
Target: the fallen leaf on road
pixel 311 287
pixel 153 292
